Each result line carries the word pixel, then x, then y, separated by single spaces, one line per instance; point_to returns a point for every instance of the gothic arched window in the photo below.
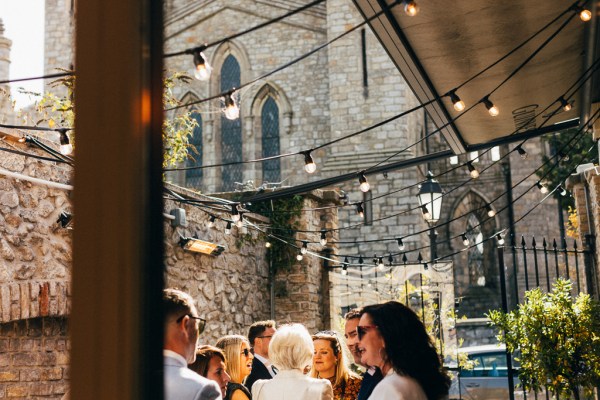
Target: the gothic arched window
pixel 270 141
pixel 193 177
pixel 231 130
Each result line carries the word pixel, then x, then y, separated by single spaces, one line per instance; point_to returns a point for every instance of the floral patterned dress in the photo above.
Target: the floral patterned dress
pixel 347 390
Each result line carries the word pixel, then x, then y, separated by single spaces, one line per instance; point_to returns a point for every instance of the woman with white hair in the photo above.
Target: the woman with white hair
pixel 291 352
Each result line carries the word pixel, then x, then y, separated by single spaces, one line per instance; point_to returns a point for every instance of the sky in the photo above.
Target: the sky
pixel 24 25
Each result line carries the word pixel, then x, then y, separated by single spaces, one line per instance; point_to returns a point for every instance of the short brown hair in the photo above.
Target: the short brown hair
pixel 258 328
pixel 204 354
pixel 176 303
pixel 354 313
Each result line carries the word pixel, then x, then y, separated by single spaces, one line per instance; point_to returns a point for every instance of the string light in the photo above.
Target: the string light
pixel 231 111
pixel 380 264
pixel 521 152
pixel 304 248
pixel 364 185
pixel 361 260
pixel 565 104
pixel 562 190
pixel 202 68
pixel 309 164
pixel 323 240
pixel 390 260
pixel 268 245
pixel 465 239
pixel 411 8
pixel 492 109
pixel 490 211
pixel 400 244
pixel 211 222
pixel 235 214
pixel 426 213
pixel 345 267
pixel 458 104
pixel 299 257
pixel 500 239
pixel 472 170
pixel 360 210
pixel 66 147
pixel 585 15
pixel 228 228
pixel 542 187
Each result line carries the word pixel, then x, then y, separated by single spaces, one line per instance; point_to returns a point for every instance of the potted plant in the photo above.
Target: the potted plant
pixel 556 338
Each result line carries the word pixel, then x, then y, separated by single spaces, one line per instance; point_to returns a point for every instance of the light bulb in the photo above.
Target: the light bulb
pixel 235 215
pixel 202 68
pixel 458 104
pixel 360 260
pixel 565 104
pixel 211 222
pixel 473 171
pixel 500 239
pixel 426 213
pixel 232 111
pixel 390 260
pixel 228 228
pixel 400 244
pixel 344 269
pixel 323 240
pixel 522 152
pixel 268 245
pixel 304 248
pixel 585 15
pixel 543 189
pixel 66 147
pixel 239 223
pixel 299 257
pixel 490 211
pixel 411 8
pixel 309 164
pixel 364 185
pixel 492 109
pixel 465 239
pixel 562 190
pixel 360 210
pixel 380 264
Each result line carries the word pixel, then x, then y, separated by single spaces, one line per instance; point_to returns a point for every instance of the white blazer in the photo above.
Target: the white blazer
pixel 292 385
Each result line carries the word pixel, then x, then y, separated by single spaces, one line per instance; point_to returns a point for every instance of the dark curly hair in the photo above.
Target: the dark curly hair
pixel 409 348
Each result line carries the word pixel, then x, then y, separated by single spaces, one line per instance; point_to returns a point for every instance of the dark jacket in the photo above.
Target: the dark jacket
pixel 368 384
pixel 259 371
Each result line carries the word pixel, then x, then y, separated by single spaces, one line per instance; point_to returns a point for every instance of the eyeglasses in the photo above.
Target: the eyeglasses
pixel 246 352
pixel 362 329
pixel 266 336
pixel 201 322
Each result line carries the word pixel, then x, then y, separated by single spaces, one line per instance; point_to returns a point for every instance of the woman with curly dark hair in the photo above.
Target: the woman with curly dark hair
pixel 392 338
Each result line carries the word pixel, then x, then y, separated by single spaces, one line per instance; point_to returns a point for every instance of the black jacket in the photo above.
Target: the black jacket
pixel 259 371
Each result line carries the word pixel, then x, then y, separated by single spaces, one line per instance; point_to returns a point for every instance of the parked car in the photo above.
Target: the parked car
pixel 489 377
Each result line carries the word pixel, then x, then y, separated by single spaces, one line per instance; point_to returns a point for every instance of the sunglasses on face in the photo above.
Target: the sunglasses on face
pixel 246 352
pixel 201 322
pixel 265 337
pixel 361 330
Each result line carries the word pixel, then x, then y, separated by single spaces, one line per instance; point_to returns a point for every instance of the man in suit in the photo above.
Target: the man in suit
pixel 182 329
pixel 372 375
pixel 260 335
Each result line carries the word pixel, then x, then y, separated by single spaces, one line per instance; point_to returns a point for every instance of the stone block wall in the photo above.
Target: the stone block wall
pixel 35 269
pixel 34 358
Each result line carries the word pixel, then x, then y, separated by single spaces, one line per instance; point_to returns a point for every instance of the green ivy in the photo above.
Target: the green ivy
pixel 284 214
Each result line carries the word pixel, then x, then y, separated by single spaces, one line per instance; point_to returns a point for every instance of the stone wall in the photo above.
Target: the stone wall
pixel 35 270
pixel 232 290
pixel 34 358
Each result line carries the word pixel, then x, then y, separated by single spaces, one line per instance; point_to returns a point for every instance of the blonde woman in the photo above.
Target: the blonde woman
pixel 291 350
pixel 329 362
pixel 239 364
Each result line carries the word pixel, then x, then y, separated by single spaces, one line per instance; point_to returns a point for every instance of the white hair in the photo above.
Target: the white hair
pixel 291 347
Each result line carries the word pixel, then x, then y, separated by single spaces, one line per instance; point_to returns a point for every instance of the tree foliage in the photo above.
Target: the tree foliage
pixel 574 151
pixel 557 339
